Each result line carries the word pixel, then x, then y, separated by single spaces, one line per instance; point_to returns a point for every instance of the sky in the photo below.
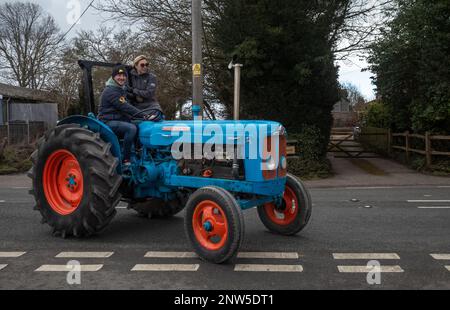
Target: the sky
pixel 62 11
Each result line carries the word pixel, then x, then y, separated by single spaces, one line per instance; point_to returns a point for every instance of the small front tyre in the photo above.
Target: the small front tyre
pixel 294 213
pixel 214 224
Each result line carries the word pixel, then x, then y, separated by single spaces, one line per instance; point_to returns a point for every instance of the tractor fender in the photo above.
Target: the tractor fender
pixel 95 125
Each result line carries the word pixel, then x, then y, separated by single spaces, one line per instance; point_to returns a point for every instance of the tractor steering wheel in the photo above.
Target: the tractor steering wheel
pixel 134 116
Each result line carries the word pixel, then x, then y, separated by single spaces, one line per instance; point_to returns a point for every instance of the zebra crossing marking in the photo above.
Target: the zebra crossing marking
pixel 170 255
pixel 368 269
pixel 11 254
pixel 441 256
pixel 268 255
pixel 2 266
pixel 84 255
pixel 166 267
pixel 267 268
pixel 365 256
pixel 68 268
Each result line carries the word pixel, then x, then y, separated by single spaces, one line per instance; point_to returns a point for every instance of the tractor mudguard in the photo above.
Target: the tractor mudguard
pixel 95 125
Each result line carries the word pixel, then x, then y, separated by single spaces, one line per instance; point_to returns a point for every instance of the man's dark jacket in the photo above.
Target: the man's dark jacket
pixel 144 90
pixel 114 105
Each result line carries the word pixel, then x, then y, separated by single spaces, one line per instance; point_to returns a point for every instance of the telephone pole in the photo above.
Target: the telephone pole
pixel 197 60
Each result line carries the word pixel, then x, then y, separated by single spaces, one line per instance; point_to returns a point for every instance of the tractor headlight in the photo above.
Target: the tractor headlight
pixel 271 164
pixel 283 163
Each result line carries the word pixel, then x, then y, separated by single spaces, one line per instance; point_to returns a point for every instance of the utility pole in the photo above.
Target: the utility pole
pixel 197 60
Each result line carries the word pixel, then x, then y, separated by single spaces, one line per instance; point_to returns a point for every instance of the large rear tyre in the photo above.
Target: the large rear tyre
pixel 158 208
pixel 214 224
pixel 294 213
pixel 75 181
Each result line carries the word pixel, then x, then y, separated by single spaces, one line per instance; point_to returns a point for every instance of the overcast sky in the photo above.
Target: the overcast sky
pixel 350 71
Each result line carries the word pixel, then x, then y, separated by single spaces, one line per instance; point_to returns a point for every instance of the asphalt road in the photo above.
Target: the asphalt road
pixel 404 228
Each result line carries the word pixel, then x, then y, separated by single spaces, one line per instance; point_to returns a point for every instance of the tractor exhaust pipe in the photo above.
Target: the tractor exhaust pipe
pixel 237 103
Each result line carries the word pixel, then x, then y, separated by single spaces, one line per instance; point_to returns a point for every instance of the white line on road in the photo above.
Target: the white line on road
pixel 170 255
pixel 427 201
pixel 68 268
pixel 368 188
pixel 2 266
pixel 11 254
pixel 269 255
pixel 121 208
pixel 367 269
pixel 84 255
pixel 441 256
pixel 365 256
pixel 268 268
pixel 166 267
pixel 2 201
pixel 448 268
pixel 435 207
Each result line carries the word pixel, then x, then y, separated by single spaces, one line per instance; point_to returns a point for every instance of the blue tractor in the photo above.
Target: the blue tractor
pixel 78 180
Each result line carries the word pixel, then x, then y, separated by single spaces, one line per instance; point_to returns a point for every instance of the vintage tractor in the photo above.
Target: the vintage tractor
pixel 78 179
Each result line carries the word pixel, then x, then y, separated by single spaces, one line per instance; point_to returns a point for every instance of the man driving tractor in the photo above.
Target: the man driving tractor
pixel 116 112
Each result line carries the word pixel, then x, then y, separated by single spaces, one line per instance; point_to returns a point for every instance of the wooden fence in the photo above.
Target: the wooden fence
pixel 385 141
pixel 428 139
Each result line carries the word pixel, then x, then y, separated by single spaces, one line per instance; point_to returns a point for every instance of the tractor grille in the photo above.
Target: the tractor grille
pixel 282 153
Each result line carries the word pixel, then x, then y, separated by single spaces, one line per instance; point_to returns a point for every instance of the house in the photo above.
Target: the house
pixel 343 114
pixel 18 104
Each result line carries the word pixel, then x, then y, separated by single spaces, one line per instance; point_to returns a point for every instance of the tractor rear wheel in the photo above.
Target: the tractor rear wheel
pixel 214 224
pixel 294 213
pixel 158 208
pixel 75 181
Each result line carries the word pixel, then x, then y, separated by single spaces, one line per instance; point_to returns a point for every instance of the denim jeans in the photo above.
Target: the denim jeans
pixel 127 132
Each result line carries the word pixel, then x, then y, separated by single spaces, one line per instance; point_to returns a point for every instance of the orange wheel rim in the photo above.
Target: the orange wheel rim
pixel 210 225
pixel 290 211
pixel 63 182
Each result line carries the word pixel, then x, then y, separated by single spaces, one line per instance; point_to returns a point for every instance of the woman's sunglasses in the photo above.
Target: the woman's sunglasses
pixel 144 65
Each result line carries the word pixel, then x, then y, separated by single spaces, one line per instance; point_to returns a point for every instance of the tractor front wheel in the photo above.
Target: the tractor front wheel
pixel 214 224
pixel 294 213
pixel 75 181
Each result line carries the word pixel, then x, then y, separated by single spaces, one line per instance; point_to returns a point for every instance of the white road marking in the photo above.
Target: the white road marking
pixel 448 268
pixel 271 255
pixel 68 268
pixel 170 255
pixel 11 254
pixel 166 267
pixel 435 207
pixel 2 201
pixel 121 208
pixel 365 256
pixel 2 266
pixel 441 256
pixel 268 268
pixel 427 201
pixel 370 187
pixel 367 269
pixel 84 255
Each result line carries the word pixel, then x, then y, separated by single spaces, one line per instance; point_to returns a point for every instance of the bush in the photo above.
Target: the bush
pixel 15 159
pixel 310 169
pixel 312 162
pixel 377 115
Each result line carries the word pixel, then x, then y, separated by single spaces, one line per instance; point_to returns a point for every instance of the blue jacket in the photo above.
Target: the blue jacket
pixel 114 105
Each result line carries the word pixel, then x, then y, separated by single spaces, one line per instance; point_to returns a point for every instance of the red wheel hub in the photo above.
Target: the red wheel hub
pixel 210 225
pixel 63 182
pixel 286 215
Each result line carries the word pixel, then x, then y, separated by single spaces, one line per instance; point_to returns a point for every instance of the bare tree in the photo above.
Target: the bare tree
pixel 29 44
